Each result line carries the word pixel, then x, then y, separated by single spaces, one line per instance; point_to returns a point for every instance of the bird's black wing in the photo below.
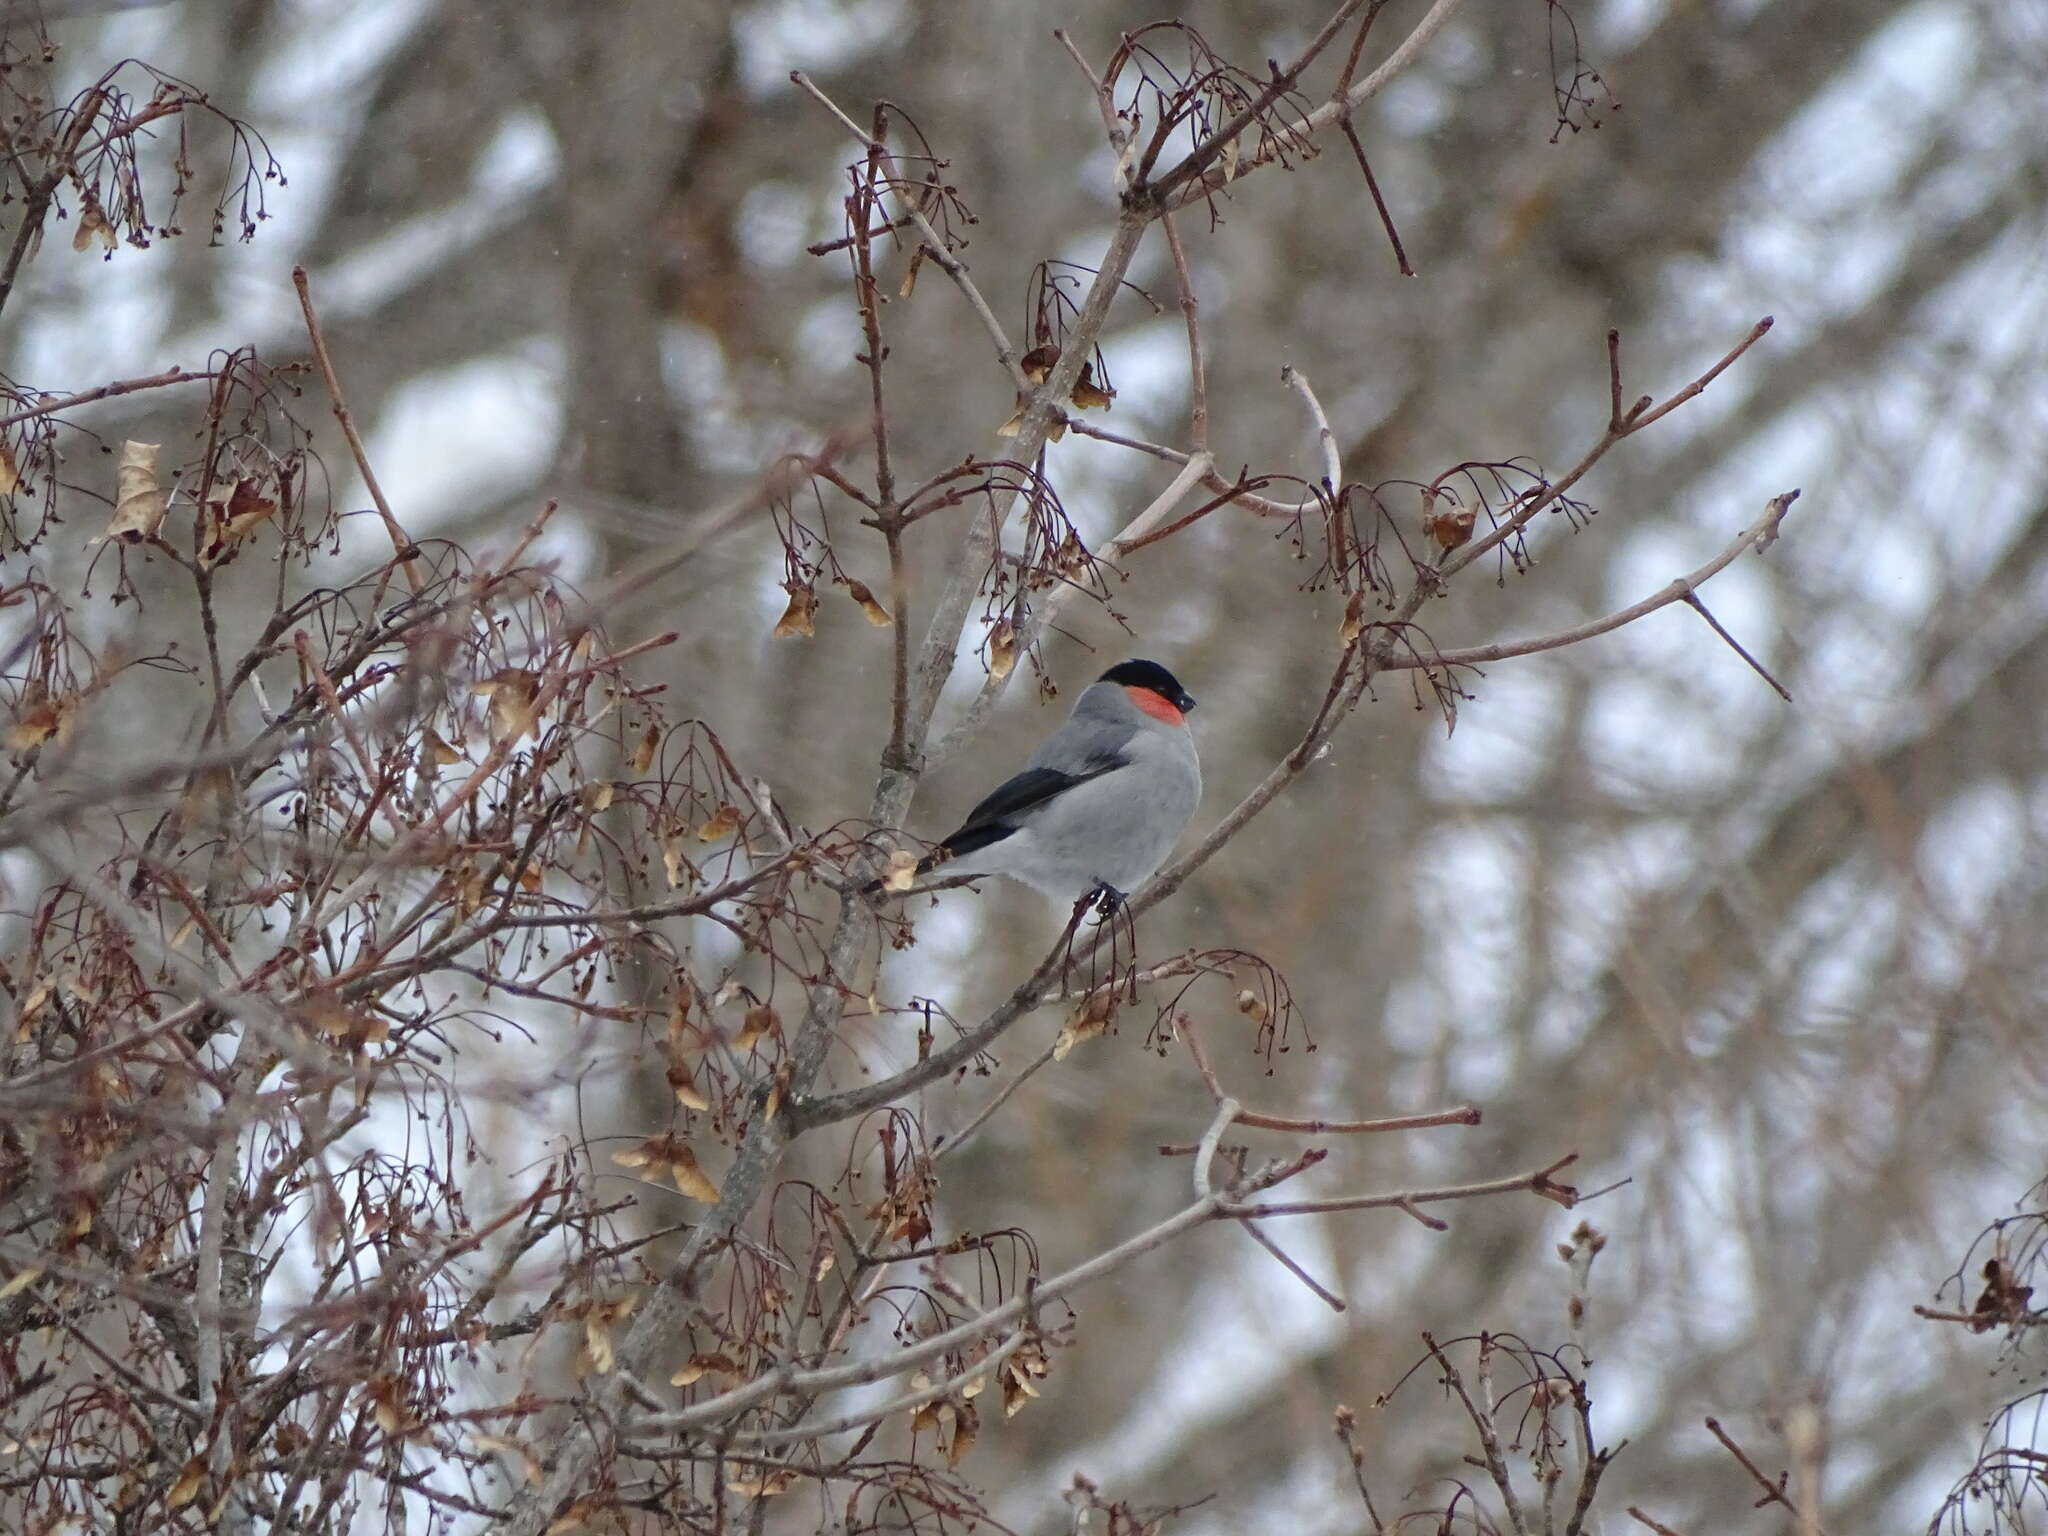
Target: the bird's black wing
pixel 995 818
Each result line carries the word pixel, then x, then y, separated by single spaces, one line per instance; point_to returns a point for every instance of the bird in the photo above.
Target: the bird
pixel 1100 804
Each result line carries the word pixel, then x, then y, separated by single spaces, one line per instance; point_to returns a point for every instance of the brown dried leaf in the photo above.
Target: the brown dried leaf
pixel 597 1347
pixel 684 1086
pixel 190 1476
pixel 139 503
pixel 10 477
pixel 382 1395
pixel 35 723
pixel 1088 395
pixel 877 615
pixel 512 691
pixel 1252 1006
pixel 965 1423
pixel 1445 521
pixel 1015 424
pixel 1039 361
pixel 597 798
pixel 93 225
pixel 436 753
pixel 673 863
pixel 910 273
pixel 21 1281
pixel 207 799
pixel 245 511
pixel 720 825
pixel 1002 648
pixel 1354 619
pixel 902 871
pixel 760 1021
pixel 519 1455
pixel 690 1177
pixel 760 1484
pixel 643 755
pixel 1087 1021
pixel 799 618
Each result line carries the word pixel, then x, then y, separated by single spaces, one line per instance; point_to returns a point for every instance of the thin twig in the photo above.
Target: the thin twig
pixel 1326 440
pixel 1693 601
pixel 1236 495
pixel 401 542
pixel 1679 589
pixel 1041 614
pixel 1198 376
pixel 1111 128
pixel 1773 1493
pixel 1482 1421
pixel 1537 1181
pixel 1205 1151
pixel 107 392
pixel 934 247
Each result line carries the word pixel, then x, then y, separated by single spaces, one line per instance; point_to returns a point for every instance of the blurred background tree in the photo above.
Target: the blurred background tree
pixel 1775 966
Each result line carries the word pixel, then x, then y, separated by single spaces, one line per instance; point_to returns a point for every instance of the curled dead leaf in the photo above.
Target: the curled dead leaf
pixel 902 871
pixel 1085 1023
pixel 185 1488
pixel 139 502
pixel 1445 521
pixel 877 615
pixel 720 825
pixel 524 1459
pixel 760 1484
pixel 1088 395
pixel 1252 1006
pixel 238 510
pixel 643 754
pixel 39 717
pixel 760 1021
pixel 691 1178
pixel 698 1366
pixel 10 476
pixel 512 692
pixel 436 753
pixel 1002 648
pixel 1039 361
pixel 1354 619
pixel 93 225
pixel 684 1086
pixel 800 617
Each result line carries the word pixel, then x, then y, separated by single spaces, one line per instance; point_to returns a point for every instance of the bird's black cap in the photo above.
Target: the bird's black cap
pixel 1149 674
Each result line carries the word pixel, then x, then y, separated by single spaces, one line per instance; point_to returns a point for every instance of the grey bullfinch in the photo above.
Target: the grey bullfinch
pixel 1100 804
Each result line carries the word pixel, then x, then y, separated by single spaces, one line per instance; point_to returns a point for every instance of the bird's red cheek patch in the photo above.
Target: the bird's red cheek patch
pixel 1155 706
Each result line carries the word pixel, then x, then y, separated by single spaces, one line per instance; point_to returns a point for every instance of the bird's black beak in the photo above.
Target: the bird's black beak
pixel 1185 702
